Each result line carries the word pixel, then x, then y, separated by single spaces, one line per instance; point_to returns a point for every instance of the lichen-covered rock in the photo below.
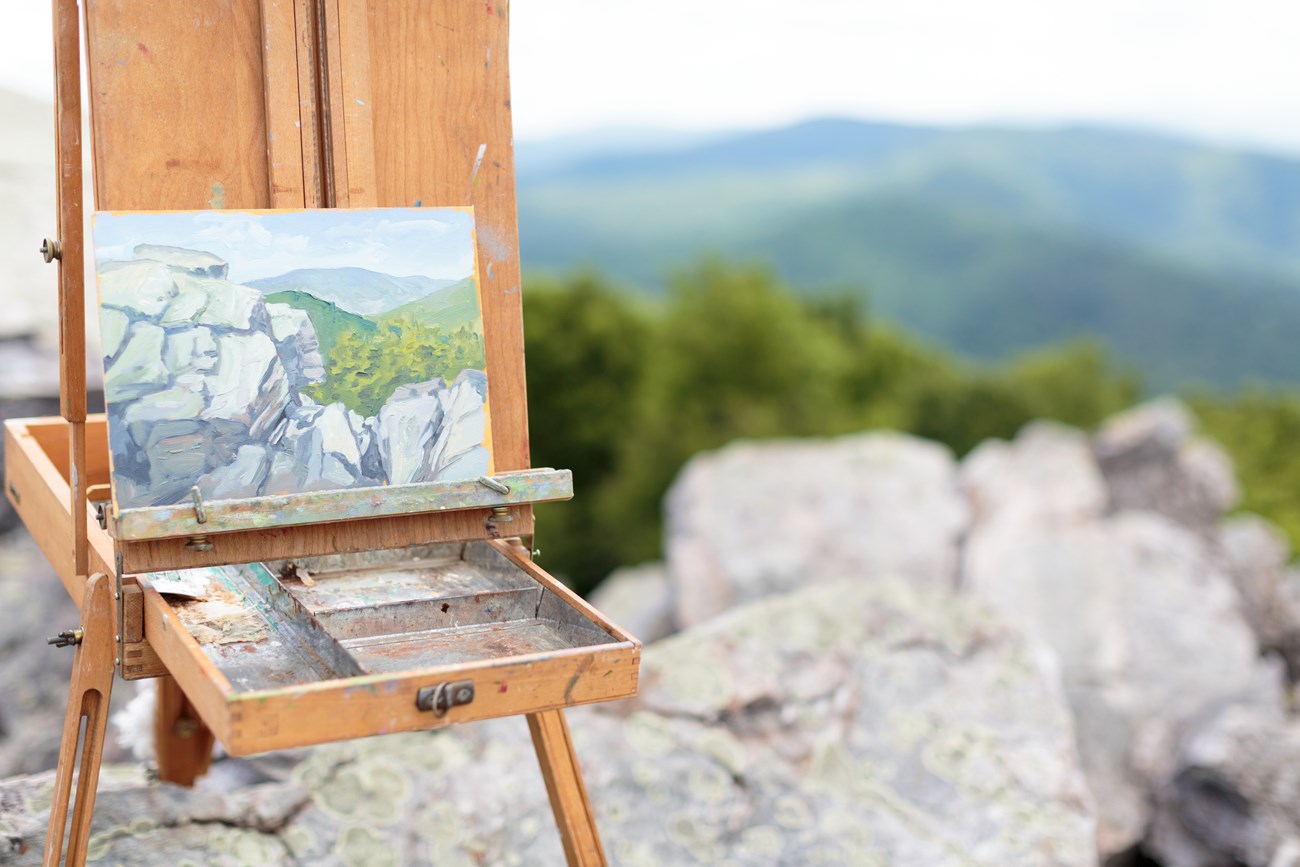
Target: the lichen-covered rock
pixel 1152 461
pixel 754 519
pixel 1149 633
pixel 849 723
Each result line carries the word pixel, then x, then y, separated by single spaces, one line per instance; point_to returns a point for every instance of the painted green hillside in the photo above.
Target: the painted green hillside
pixel 326 317
pixel 449 308
pixel 367 357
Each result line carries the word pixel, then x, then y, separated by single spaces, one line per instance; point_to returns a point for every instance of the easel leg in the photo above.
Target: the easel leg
pixel 564 785
pixel 182 743
pixel 92 684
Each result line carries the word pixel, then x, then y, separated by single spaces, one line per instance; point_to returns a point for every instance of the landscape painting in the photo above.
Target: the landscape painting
pixel 252 353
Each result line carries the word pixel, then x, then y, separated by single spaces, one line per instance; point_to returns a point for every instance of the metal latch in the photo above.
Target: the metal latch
pixel 444 696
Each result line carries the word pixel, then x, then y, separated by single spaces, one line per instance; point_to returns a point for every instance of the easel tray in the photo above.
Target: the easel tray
pixel 281 654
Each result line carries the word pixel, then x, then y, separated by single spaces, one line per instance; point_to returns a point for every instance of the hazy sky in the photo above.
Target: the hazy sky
pixel 433 242
pixel 1224 69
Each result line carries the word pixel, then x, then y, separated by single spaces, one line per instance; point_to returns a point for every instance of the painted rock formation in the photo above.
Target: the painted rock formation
pixel 205 383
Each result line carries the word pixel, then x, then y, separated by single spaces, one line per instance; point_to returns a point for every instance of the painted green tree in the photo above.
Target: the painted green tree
pixel 365 367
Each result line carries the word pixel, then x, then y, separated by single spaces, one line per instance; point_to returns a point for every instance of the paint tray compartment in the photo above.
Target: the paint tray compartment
pixel 361 635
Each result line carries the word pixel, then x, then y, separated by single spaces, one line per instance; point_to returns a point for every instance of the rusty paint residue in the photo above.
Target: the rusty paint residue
pixel 221 618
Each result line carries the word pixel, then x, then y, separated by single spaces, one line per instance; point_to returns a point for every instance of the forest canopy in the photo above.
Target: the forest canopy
pixel 623 390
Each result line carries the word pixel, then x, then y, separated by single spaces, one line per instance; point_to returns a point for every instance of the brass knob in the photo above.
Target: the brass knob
pixel 51 250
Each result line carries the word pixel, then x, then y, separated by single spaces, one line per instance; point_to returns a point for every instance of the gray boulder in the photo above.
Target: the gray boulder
pixel 1152 461
pixel 1149 633
pixel 845 724
pixel 1046 477
pixel 1256 555
pixel 754 519
pixel 639 599
pixel 1234 799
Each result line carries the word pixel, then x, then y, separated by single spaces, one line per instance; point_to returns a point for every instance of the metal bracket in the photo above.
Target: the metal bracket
pixel 444 696
pixel 119 612
pixel 197 496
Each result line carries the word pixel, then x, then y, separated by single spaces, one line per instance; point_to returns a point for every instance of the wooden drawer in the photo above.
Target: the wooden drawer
pixel 272 661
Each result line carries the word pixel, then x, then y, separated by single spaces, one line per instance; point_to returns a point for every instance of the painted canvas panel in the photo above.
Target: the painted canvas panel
pixel 272 352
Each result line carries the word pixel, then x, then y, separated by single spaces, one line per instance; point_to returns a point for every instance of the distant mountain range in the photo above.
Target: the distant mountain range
pixel 1184 259
pixel 355 290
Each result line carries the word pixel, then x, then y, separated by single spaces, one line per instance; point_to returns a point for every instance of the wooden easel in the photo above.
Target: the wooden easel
pixel 288 104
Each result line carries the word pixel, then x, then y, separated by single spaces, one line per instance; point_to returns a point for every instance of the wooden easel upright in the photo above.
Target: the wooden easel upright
pixel 291 104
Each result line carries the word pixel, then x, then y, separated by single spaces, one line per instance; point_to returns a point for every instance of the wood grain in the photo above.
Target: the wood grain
pixel 183 743
pixel 284 150
pixel 177 105
pixel 442 135
pixel 380 704
pixel 568 793
pixel 88 696
pixel 344 537
pixel 206 687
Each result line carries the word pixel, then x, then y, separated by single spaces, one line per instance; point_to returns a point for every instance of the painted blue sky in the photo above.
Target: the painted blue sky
pixel 402 242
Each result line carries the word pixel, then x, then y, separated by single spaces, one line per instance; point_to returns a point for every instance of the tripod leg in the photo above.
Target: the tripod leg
pixel 566 789
pixel 92 684
pixel 182 743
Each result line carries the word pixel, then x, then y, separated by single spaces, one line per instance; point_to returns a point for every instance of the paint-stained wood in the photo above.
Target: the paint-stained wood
pixel 292 103
pixel 381 704
pixel 317 507
pixel 392 103
pixel 344 537
pixel 177 105
pixel 440 88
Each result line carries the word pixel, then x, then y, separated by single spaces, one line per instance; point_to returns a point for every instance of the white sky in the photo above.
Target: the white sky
pixel 1228 70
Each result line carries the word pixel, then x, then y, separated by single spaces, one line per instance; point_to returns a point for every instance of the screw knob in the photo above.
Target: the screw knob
pixel 66 638
pixel 51 250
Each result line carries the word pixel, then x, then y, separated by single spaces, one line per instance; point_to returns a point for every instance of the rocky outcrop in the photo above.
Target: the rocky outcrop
pixel 754 519
pixel 205 381
pixel 844 724
pixel 429 431
pixel 1152 461
pixel 1111 551
pixel 1235 796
